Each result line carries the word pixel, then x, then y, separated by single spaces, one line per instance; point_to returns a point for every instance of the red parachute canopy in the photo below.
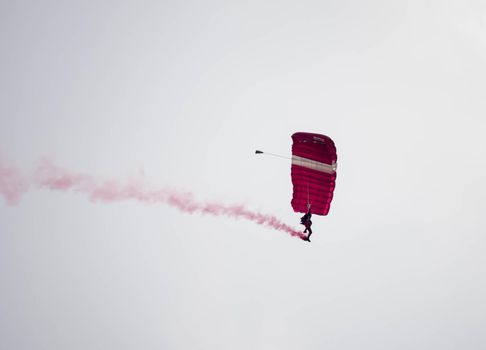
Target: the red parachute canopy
pixel 313 172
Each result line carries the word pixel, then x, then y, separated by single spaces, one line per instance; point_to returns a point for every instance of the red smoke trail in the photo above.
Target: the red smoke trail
pixel 48 175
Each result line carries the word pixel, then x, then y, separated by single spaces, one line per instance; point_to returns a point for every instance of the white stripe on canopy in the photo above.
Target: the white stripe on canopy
pixel 315 165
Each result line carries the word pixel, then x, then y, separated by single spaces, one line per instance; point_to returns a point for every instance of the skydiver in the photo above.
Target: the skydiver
pixel 306 221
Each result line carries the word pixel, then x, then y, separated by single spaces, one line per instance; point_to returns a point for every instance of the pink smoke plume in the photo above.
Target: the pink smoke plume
pixel 12 185
pixel 49 176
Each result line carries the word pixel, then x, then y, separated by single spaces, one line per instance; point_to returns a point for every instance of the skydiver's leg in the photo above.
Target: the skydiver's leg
pixel 309 234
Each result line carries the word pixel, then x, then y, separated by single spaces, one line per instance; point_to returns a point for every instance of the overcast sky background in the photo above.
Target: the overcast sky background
pixel 185 91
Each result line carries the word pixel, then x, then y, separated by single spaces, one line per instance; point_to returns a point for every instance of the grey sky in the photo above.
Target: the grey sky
pixel 184 92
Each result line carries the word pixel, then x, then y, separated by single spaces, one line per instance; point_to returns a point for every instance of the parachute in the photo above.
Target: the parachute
pixel 313 172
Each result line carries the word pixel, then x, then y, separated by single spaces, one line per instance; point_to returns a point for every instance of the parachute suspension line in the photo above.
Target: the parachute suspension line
pixel 272 154
pixel 308 201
